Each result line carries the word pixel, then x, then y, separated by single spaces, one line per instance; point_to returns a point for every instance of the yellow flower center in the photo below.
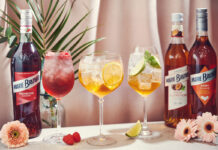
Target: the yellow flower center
pixel 209 127
pixel 15 134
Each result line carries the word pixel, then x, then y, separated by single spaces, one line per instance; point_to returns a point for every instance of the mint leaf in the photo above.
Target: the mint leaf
pixel 152 60
pixel 147 55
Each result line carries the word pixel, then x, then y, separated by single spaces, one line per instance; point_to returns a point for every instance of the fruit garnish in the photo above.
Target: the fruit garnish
pixel 76 137
pixel 135 130
pixel 112 73
pixel 64 54
pixel 152 60
pixel 68 139
pixel 139 67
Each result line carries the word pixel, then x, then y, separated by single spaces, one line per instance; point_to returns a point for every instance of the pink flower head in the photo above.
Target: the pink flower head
pixel 207 126
pixel 14 134
pixel 186 130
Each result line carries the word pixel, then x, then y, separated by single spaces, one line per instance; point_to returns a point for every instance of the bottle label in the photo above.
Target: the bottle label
pixel 26 28
pixel 176 81
pixel 25 86
pixel 203 84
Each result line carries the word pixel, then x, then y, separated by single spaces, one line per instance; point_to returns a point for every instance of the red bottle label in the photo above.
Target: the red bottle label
pixel 25 86
pixel 203 84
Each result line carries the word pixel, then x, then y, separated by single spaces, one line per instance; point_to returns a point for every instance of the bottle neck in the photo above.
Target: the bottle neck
pixel 177 33
pixel 201 26
pixel 25 37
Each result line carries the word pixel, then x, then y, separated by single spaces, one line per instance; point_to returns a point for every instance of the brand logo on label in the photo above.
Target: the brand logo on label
pixel 178 75
pixel 203 84
pixel 25 84
pixel 176 81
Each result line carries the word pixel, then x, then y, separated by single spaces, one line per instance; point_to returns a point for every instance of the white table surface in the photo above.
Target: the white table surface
pixel 165 142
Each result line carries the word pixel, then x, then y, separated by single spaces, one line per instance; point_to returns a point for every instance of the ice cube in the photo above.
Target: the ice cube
pixel 144 86
pixel 144 81
pixel 156 75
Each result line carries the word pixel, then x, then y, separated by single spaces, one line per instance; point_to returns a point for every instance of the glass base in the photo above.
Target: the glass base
pixel 56 138
pixel 101 141
pixel 147 134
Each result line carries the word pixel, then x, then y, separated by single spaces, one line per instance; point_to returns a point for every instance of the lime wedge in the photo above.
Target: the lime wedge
pixel 135 130
pixel 139 67
pixel 152 60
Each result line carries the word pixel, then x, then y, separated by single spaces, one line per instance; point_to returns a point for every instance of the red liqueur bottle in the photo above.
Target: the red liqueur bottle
pixel 25 77
pixel 202 63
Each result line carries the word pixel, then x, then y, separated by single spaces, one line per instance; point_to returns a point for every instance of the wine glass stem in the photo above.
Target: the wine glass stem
pixel 101 101
pixel 58 114
pixel 145 124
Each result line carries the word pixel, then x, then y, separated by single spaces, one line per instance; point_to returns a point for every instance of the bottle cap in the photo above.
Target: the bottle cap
pixel 201 19
pixel 26 14
pixel 201 12
pixel 177 17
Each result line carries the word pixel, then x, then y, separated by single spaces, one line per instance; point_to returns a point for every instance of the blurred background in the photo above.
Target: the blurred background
pixel 125 24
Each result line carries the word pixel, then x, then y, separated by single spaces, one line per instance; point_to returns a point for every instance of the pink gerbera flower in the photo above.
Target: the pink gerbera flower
pixel 186 130
pixel 14 134
pixel 207 126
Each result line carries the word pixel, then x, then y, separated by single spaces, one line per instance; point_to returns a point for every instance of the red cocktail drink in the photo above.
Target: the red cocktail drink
pixel 58 74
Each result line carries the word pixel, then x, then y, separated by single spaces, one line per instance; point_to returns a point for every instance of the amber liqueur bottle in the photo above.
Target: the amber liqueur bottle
pixel 176 75
pixel 25 77
pixel 202 62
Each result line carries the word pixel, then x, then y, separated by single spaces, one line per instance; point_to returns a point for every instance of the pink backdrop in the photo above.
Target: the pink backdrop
pixel 125 24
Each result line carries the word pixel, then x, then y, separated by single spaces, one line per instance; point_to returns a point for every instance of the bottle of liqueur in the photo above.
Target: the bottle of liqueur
pixel 202 68
pixel 25 77
pixel 176 75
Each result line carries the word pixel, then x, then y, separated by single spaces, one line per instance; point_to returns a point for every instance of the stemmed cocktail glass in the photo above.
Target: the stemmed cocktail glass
pixel 144 76
pixel 101 73
pixel 58 81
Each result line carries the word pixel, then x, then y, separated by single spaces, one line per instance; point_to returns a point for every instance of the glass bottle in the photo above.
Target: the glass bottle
pixel 202 63
pixel 176 75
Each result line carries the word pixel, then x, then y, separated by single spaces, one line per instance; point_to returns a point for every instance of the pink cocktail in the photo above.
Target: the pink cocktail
pixel 58 81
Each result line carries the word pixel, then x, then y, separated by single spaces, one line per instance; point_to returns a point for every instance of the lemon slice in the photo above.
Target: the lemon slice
pixel 112 73
pixel 135 130
pixel 139 67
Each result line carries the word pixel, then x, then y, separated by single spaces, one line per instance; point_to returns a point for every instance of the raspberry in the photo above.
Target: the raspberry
pixel 68 139
pixel 76 137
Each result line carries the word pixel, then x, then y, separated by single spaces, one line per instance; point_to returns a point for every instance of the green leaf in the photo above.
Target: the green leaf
pixel 49 8
pixel 147 55
pixel 12 40
pixel 83 48
pixel 11 20
pixel 59 43
pixel 1 29
pixel 14 7
pixel 11 51
pixel 183 88
pixel 14 27
pixel 77 42
pixel 58 29
pixel 86 44
pixel 8 31
pixel 69 42
pixel 4 39
pixel 55 22
pixel 52 12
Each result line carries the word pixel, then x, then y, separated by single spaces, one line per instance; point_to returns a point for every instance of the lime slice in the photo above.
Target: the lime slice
pixel 152 60
pixel 135 130
pixel 139 67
